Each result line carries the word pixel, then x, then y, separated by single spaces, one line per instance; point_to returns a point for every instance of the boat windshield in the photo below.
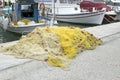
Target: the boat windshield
pixel 27 10
pixel 73 1
pixel 63 1
pixel 70 1
pixel 116 4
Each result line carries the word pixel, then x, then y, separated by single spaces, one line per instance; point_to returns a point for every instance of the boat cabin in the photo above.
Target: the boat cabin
pixel 67 1
pixel 27 9
pixel 62 6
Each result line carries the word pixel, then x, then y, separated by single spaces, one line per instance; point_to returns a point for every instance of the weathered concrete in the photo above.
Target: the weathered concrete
pixel 103 63
pixel 7 61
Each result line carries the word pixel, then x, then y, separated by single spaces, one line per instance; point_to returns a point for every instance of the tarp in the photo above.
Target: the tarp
pixel 88 5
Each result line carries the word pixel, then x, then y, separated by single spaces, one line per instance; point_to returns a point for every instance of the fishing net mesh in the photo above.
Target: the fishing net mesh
pixel 55 45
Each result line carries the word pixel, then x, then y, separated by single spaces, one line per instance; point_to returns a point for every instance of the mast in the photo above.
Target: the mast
pixel 53 12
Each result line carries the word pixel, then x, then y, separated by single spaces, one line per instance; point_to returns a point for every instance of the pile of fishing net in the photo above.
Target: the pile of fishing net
pixel 55 45
pixel 22 22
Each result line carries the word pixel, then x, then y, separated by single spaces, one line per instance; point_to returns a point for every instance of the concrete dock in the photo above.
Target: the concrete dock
pixel 102 63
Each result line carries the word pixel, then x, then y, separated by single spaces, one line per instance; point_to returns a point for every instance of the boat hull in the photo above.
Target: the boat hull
pixel 83 18
pixel 23 29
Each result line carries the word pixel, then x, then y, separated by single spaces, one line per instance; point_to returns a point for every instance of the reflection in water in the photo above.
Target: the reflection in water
pixel 6 36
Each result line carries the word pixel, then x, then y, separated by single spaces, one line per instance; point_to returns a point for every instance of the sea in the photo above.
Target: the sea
pixel 6 36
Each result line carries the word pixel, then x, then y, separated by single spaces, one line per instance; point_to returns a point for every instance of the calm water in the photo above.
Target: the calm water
pixel 6 36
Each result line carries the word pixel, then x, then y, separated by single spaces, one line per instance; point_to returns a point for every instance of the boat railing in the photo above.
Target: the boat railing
pixel 89 9
pixel 93 9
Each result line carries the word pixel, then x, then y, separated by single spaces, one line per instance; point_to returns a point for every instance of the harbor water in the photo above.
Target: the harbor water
pixel 6 36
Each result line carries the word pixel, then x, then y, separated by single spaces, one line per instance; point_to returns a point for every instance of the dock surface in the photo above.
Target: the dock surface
pixel 102 63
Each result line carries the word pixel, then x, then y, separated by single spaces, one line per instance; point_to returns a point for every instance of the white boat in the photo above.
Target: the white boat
pixel 26 10
pixel 23 29
pixel 83 18
pixel 70 11
pixel 110 15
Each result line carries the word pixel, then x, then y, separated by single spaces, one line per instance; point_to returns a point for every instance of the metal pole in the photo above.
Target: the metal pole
pixel 53 13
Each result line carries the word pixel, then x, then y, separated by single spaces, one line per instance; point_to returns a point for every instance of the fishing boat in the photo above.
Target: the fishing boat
pixel 110 14
pixel 24 29
pixel 22 17
pixel 83 18
pixel 70 11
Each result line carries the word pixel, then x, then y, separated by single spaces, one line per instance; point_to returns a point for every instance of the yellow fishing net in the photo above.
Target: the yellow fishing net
pixel 55 45
pixel 22 22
